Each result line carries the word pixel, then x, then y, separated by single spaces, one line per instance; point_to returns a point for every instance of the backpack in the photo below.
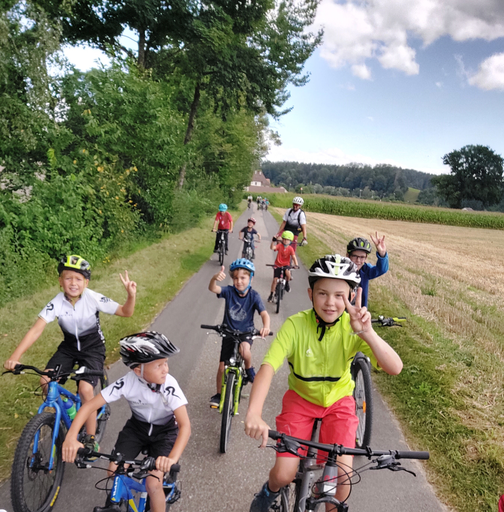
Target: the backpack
pixel 298 217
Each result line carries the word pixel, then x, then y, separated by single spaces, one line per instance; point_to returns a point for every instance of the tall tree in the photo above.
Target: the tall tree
pixel 476 175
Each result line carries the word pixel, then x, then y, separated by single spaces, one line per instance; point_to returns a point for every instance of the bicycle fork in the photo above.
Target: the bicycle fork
pixel 237 388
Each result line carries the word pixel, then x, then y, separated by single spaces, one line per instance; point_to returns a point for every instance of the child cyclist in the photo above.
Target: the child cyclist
pixel 159 421
pixel 248 232
pixel 358 250
pixel 285 253
pixel 224 220
pixel 241 304
pixel 77 309
pixel 320 386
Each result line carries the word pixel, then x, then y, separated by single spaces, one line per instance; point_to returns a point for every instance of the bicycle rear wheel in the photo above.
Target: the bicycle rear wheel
pixel 279 295
pixel 363 394
pixel 33 487
pixel 103 414
pixel 227 412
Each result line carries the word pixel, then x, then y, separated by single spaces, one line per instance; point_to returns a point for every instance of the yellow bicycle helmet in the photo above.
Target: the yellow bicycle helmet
pixel 75 263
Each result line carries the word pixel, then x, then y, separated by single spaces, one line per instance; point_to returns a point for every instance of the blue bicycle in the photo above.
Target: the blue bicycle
pixel 37 469
pixel 129 493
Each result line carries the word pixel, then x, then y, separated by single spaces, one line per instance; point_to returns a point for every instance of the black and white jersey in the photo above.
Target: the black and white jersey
pixel 80 323
pixel 154 407
pixel 294 220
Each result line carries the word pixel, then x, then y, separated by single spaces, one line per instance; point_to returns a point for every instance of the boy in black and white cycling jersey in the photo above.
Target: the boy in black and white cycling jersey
pixel 159 421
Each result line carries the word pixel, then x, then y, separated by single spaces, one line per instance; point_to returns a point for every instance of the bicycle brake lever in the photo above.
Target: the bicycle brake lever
pixel 389 462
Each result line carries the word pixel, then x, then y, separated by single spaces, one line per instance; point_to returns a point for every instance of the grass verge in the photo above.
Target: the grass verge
pixel 160 270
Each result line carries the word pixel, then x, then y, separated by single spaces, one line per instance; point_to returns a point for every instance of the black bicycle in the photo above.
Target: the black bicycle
pixel 248 252
pixel 360 369
pixel 233 380
pixel 128 492
pixel 315 484
pixel 280 286
pixel 221 245
pixel 389 322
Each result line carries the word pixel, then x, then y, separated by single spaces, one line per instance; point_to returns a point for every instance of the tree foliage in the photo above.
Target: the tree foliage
pixel 475 177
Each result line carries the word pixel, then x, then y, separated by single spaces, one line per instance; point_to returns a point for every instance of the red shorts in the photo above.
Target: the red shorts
pixel 339 422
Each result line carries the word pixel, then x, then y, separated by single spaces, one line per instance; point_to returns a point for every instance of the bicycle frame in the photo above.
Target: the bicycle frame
pixel 122 490
pixel 238 369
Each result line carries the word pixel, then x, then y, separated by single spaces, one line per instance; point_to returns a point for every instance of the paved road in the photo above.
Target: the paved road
pixel 211 481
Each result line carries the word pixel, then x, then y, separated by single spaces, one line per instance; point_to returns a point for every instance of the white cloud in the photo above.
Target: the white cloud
pixel 85 58
pixel 490 74
pixel 439 85
pixel 357 30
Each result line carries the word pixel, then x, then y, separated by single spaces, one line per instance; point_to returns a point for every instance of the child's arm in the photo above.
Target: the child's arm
pixel 258 236
pixel 215 224
pixel 129 306
pixel 232 224
pixel 266 323
pixel 255 426
pixel 164 463
pixel 379 242
pixel 360 320
pixel 29 339
pixel 220 276
pixel 71 445
pixel 294 259
pixel 241 234
pixel 273 244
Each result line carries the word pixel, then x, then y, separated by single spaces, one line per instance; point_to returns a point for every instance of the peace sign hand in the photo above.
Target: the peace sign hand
pixel 379 242
pixel 129 285
pixel 360 317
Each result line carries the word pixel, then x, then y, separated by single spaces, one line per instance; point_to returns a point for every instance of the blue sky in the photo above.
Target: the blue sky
pixel 395 81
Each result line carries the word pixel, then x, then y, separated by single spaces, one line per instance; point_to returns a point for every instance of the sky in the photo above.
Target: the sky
pixel 402 82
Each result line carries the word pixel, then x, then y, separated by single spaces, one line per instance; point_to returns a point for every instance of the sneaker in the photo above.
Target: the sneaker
pixel 250 374
pixel 270 298
pixel 287 287
pixel 226 253
pixel 90 443
pixel 215 401
pixel 263 499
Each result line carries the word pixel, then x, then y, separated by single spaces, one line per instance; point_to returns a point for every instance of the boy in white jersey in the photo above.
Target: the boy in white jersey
pixel 77 309
pixel 159 421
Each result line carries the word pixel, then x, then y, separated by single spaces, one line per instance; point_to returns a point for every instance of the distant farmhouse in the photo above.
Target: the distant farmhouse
pixel 262 184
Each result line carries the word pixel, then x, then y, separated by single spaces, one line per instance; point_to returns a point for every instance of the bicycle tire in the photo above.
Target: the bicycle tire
pixel 363 394
pixel 221 254
pixel 288 498
pixel 227 412
pixel 101 420
pixel 248 253
pixel 279 295
pixel 36 490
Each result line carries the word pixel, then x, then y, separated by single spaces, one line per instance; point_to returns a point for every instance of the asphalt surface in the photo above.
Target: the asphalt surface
pixel 212 481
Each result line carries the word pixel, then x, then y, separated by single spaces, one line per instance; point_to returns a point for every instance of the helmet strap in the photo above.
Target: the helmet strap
pixel 321 324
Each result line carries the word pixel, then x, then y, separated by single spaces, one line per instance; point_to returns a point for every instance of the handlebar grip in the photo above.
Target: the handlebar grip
pixel 204 326
pixel 271 333
pixel 175 468
pixel 84 452
pixel 412 455
pixel 274 434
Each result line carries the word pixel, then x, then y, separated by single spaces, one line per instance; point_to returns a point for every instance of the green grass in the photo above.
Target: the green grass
pixel 159 269
pixel 411 195
pixel 353 207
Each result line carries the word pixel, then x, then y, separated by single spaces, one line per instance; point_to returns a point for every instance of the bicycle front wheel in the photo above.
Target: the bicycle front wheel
pixel 221 254
pixel 363 394
pixel 34 488
pixel 288 498
pixel 227 412
pixel 248 253
pixel 279 295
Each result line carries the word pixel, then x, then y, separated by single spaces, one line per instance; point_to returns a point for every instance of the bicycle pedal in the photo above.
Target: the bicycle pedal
pixel 214 407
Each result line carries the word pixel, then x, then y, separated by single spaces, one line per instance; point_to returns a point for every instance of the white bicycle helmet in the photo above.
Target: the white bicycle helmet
pixel 334 266
pixel 145 347
pixel 298 200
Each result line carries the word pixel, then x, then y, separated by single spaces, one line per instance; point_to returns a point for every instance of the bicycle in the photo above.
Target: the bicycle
pixel 37 468
pixel 248 252
pixel 280 286
pixel 233 380
pixel 126 493
pixel 221 246
pixel 389 322
pixel 360 368
pixel 315 484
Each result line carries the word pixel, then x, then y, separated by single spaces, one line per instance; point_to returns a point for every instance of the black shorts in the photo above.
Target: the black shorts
pixel 227 348
pixel 92 358
pixel 277 271
pixel 134 438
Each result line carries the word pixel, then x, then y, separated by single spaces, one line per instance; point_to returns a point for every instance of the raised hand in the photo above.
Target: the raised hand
pixel 130 286
pixel 360 317
pixel 379 242
pixel 221 275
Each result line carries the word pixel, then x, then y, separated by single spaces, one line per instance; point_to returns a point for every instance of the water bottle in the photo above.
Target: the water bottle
pixel 69 407
pixel 327 484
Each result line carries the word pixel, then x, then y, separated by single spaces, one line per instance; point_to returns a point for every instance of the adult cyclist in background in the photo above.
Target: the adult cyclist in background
pixel 358 250
pixel 225 222
pixel 294 220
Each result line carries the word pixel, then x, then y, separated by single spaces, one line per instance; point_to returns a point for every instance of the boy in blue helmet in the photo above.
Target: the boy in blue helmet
pixel 241 304
pixel 225 222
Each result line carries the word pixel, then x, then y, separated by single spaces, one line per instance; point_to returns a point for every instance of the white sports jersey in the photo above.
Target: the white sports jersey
pixel 154 407
pixel 80 323
pixel 294 218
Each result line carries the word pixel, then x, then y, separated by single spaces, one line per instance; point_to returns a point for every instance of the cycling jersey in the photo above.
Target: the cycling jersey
pixel 319 370
pixel 294 219
pixel 284 254
pixel 224 219
pixel 147 405
pixel 80 323
pixel 239 311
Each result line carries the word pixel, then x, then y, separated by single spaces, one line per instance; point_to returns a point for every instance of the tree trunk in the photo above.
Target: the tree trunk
pixel 141 49
pixel 189 131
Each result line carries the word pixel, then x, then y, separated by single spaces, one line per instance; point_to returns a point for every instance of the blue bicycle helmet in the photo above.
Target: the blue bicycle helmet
pixel 222 207
pixel 242 263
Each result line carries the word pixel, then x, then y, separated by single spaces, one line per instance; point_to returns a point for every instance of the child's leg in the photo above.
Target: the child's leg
pixel 246 353
pixel 273 284
pixel 287 275
pixel 220 373
pixel 155 490
pixel 86 392
pixel 282 473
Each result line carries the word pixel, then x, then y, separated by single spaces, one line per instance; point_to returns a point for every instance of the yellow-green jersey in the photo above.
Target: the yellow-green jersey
pixel 319 370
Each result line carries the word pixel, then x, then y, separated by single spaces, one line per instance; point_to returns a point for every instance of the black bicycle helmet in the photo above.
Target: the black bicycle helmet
pixel 358 244
pixel 334 266
pixel 145 347
pixel 75 263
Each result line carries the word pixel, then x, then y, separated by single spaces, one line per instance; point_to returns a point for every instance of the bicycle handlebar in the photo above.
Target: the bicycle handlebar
pixel 293 443
pixel 20 368
pixel 288 267
pixel 224 330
